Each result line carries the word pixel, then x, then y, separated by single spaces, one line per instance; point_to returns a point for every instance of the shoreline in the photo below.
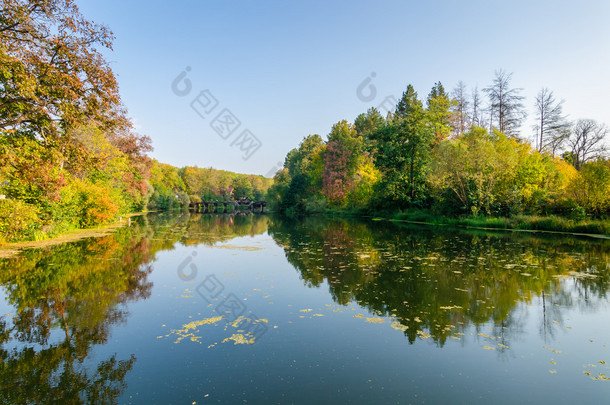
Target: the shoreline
pixel 12 249
pixel 531 224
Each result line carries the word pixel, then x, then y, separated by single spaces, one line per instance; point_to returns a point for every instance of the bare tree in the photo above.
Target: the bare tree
pixel 552 127
pixel 586 141
pixel 506 103
pixel 557 142
pixel 476 106
pixel 460 108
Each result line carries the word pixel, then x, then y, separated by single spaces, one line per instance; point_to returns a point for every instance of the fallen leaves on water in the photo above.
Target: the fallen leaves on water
pixel 424 335
pixel 399 326
pixel 239 339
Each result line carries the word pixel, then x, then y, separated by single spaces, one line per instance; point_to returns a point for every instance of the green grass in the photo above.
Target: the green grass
pixel 517 222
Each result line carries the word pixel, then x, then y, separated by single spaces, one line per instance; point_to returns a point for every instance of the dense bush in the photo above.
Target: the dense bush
pixel 18 221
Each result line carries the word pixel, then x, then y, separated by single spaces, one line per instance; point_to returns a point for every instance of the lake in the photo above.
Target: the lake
pixel 195 309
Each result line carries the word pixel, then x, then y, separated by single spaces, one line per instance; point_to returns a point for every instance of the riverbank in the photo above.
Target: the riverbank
pixel 9 249
pixel 532 223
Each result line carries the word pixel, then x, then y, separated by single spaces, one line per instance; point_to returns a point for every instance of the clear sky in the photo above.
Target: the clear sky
pixel 288 69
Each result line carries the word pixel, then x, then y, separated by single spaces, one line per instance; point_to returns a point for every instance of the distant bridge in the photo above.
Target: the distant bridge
pixel 241 205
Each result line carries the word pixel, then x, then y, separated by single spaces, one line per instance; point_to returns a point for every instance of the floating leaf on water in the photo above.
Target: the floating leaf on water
pixel 488 348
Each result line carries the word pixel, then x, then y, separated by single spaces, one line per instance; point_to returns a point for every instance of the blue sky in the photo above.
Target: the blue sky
pixel 289 69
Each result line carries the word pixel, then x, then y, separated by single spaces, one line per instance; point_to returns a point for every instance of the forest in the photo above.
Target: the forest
pixel 454 154
pixel 69 154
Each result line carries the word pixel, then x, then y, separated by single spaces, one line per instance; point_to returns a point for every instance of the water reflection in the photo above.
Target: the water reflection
pixel 68 298
pixel 436 283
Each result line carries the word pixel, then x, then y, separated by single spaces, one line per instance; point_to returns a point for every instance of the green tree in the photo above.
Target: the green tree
pixel 438 112
pixel 403 152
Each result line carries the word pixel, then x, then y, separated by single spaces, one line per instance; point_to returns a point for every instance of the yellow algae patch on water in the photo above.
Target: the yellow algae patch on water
pixel 239 339
pixel 452 307
pixel 206 321
pixel 488 348
pixel 424 335
pixel 399 326
pixel 318 315
pixel 184 332
pixel 360 316
pixel 375 320
pixel 306 310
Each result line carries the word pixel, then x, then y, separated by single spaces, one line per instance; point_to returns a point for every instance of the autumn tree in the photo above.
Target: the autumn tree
pixel 52 73
pixel 343 150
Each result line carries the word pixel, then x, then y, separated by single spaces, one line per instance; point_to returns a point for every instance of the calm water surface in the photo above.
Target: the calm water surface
pixel 255 309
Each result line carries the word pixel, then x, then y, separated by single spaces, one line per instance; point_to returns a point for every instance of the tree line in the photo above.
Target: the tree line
pixel 69 154
pixel 458 153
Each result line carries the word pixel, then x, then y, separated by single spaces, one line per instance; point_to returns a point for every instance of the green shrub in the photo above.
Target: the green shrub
pixel 18 221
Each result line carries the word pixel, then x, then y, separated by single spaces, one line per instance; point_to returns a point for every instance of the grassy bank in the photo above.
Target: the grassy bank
pixel 9 249
pixel 517 222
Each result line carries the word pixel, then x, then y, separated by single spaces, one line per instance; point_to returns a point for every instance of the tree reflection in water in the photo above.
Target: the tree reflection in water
pixel 437 282
pixel 69 297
